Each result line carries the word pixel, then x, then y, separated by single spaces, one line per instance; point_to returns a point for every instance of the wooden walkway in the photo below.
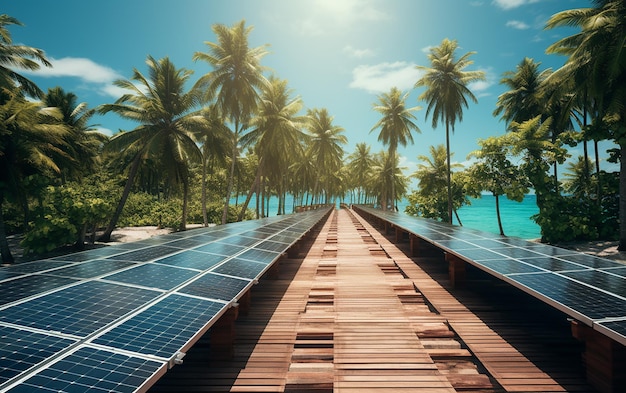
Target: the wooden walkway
pixel 354 314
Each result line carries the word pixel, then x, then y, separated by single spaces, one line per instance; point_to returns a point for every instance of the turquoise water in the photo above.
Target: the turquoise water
pixel 481 214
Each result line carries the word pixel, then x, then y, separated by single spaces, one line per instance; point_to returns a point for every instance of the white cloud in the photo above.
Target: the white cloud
pixel 481 88
pixel 358 53
pixel 325 17
pixel 94 75
pixel 516 24
pixel 382 77
pixel 105 131
pixel 510 4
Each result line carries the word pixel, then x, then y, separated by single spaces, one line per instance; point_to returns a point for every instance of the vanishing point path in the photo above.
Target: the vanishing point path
pixel 354 313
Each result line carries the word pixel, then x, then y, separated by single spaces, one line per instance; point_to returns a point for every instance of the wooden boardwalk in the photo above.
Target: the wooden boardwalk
pixel 353 313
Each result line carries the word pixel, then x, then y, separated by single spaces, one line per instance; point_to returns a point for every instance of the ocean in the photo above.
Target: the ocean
pixel 481 214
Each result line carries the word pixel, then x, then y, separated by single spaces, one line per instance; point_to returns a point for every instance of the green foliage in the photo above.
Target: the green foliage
pixel 64 213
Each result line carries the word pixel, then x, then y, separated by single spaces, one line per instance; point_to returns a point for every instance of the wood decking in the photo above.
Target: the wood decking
pixel 355 314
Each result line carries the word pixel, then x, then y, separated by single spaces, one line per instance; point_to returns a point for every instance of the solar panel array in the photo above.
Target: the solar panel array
pixel 589 289
pixel 116 318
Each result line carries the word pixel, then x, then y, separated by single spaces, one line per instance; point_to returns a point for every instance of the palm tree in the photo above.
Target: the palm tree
pixel 167 126
pixel 395 126
pixel 325 145
pixel 20 56
pixel 234 82
pixel 276 135
pixel 215 140
pixel 523 100
pixel 599 49
pixel 578 178
pixel 32 140
pixel 360 165
pixel 447 92
pixel 83 140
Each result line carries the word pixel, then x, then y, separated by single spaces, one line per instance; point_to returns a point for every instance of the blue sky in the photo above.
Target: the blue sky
pixel 336 54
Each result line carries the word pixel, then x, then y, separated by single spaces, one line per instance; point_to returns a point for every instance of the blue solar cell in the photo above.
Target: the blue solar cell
pixel 262 256
pixel 509 266
pixel 601 279
pixel 193 260
pixel 35 266
pixel 187 242
pixel 220 248
pixel 92 254
pixel 79 310
pixel 549 250
pixel 95 268
pixel 5 275
pixel 145 254
pixel 619 271
pixel 271 246
pixel 93 370
pixel 243 241
pixel 581 298
pixel 165 328
pixel 594 262
pixel 153 276
pixel 22 349
pixel 618 328
pixel 552 264
pixel 23 287
pixel 213 286
pixel 241 268
pixel 456 245
pixel 479 254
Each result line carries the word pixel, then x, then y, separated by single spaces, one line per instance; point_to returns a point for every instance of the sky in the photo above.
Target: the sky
pixel 335 54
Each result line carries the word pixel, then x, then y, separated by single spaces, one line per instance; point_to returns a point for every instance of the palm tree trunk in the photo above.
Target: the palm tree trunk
pixel 449 173
pixel 456 214
pixel 393 179
pixel 106 236
pixel 498 213
pixel 599 179
pixel 183 221
pixel 205 218
pixel 7 257
pixel 231 177
pixel 251 191
pixel 622 199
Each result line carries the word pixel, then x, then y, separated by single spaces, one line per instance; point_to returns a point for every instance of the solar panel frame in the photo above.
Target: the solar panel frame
pixel 165 328
pixel 82 370
pixel 153 275
pixel 78 310
pixel 561 267
pixel 87 308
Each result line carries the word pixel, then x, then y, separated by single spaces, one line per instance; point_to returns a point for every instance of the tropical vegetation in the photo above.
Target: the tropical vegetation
pixel 240 132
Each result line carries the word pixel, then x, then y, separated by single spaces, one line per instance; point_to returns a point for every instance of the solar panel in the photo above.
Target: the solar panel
pixel 193 260
pixel 589 288
pixel 187 242
pixel 589 302
pixel 36 266
pixel 24 287
pixel 144 254
pixel 269 245
pixel 153 276
pixel 213 286
pixel 220 248
pixel 22 349
pixel 112 318
pixel 594 262
pixel 601 279
pixel 620 271
pixel 553 264
pixel 78 310
pixel 614 329
pixel 93 370
pixel 262 256
pixel 241 268
pixel 165 328
pixel 509 266
pixel 94 268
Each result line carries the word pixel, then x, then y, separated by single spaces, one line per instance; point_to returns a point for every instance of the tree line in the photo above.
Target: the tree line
pixel 240 133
